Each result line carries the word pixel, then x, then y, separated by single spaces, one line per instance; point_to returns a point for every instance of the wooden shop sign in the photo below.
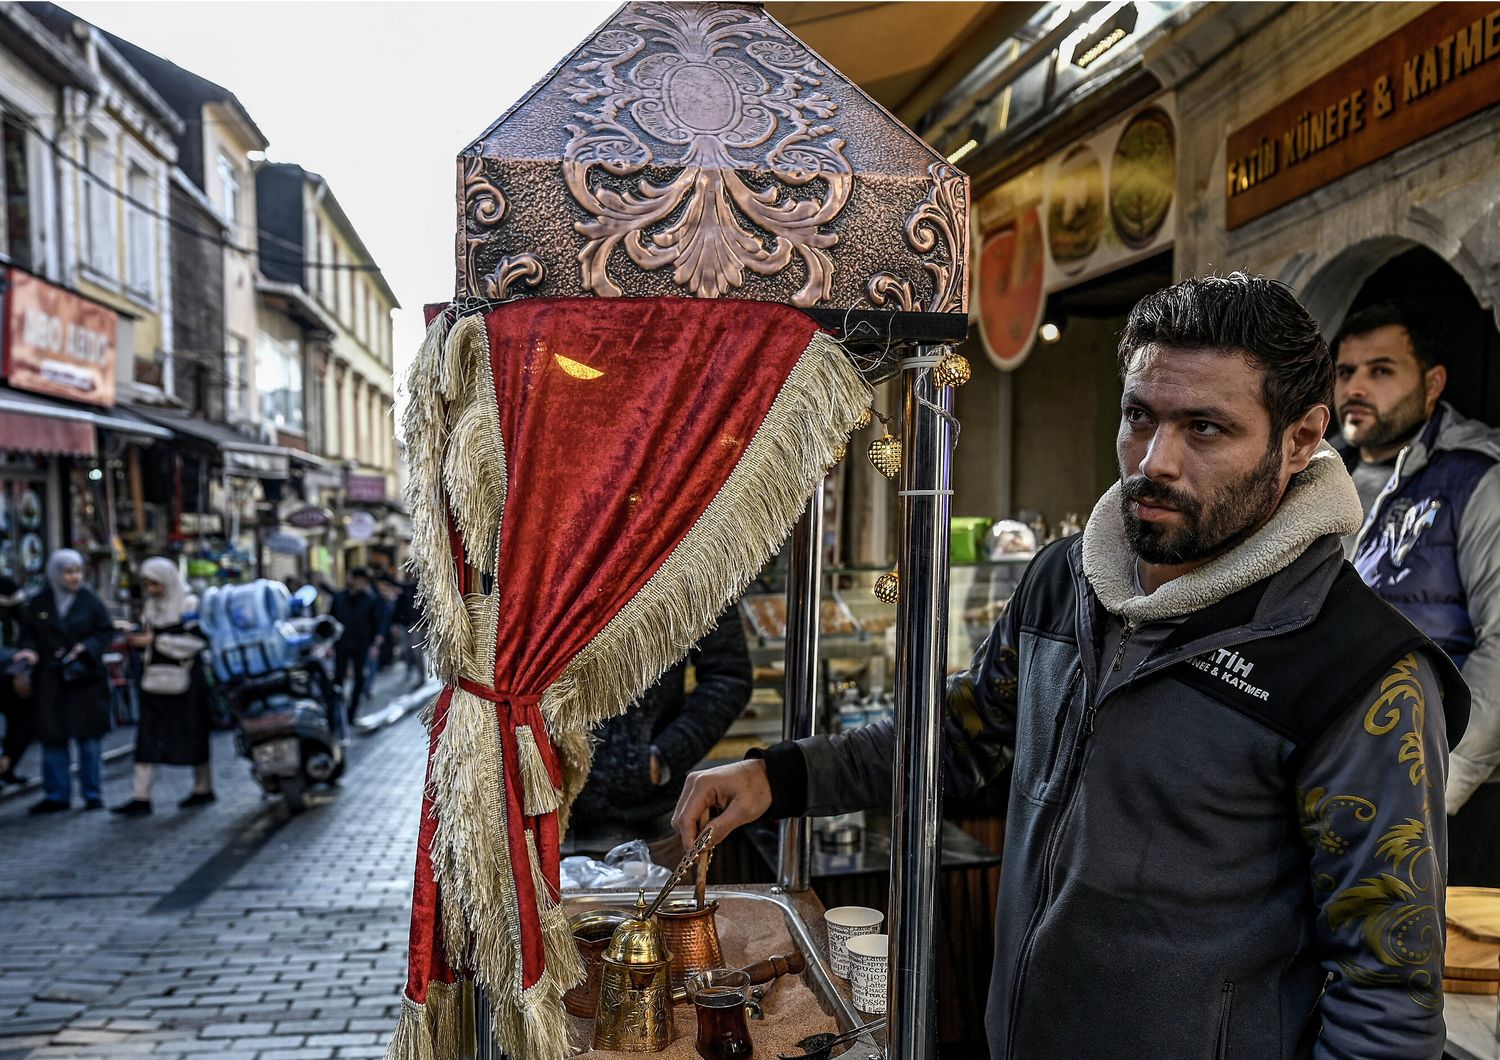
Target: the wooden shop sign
pixel 1437 69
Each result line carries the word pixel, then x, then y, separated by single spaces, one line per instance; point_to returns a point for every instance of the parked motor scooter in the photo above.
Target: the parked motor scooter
pixel 271 653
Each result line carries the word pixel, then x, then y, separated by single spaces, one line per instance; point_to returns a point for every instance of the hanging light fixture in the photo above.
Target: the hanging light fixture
pixel 885 454
pixel 953 370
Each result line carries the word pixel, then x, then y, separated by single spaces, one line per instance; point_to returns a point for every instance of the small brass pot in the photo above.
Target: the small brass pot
pixel 633 1013
pixel 591 934
pixel 692 934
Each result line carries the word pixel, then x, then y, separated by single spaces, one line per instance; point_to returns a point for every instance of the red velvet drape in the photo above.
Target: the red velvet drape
pixel 621 420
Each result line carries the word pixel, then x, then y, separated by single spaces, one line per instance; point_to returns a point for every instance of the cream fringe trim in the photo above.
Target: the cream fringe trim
pixel 737 533
pixel 474 470
pixel 576 750
pixel 470 856
pixel 539 794
pixel 426 430
pixel 412 1039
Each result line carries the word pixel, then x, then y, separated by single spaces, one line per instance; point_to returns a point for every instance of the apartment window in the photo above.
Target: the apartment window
pixel 15 188
pixel 278 378
pixel 103 250
pixel 234 376
pixel 313 264
pixel 139 232
pixel 336 275
pixel 229 194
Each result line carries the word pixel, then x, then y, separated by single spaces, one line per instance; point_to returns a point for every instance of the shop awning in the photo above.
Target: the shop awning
pixel 242 455
pixel 35 424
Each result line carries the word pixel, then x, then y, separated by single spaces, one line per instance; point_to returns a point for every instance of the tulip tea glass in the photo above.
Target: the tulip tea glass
pixel 719 997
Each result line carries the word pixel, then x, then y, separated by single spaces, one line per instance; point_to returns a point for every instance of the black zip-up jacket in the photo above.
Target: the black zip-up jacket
pixel 1234 852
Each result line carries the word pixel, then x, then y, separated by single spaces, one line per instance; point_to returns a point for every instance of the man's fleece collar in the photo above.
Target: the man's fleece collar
pixel 1320 501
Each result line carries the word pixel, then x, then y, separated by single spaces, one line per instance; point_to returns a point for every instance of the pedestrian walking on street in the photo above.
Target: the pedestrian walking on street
pixel 405 619
pixel 175 715
pixel 1226 755
pixel 363 616
pixel 65 631
pixel 1429 481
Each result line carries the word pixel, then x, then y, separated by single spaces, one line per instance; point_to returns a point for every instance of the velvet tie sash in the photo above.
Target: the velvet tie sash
pixel 592 483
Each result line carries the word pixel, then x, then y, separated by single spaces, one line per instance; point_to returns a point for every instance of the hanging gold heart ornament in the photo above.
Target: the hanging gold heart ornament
pixel 885 454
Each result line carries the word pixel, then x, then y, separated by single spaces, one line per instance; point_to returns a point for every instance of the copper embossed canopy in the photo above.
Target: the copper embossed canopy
pixel 701 149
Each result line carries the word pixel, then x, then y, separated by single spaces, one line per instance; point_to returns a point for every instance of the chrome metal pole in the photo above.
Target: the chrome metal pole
pixel 804 596
pixel 921 657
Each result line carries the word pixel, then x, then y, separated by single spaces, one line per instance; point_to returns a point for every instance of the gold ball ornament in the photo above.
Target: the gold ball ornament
pixel 839 452
pixel 866 418
pixel 952 370
pixel 888 587
pixel 885 454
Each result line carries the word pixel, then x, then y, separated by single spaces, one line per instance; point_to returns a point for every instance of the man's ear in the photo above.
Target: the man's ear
pixel 1435 379
pixel 1301 439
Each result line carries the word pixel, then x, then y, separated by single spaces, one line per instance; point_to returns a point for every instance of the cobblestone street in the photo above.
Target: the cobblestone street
pixel 232 930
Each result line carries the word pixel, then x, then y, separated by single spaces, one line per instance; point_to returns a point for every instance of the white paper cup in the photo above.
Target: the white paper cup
pixel 845 922
pixel 869 954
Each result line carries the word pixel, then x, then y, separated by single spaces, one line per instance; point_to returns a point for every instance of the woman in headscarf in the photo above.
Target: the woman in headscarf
pixel 175 720
pixel 65 632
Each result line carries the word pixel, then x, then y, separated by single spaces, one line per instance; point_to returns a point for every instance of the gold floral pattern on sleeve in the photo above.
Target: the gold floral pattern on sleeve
pixel 1401 687
pixel 1317 809
pixel 1396 908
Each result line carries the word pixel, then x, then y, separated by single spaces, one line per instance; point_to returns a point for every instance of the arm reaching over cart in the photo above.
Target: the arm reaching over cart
pixel 849 771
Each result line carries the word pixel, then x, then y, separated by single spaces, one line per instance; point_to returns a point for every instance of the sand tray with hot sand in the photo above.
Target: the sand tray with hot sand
pixel 749 931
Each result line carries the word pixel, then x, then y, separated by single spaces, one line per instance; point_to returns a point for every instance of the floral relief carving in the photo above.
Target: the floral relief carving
pixel 485 207
pixel 938 230
pixel 704 93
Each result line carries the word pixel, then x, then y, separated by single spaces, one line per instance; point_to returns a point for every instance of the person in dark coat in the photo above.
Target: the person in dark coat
pixel 644 754
pixel 65 632
pixel 15 686
pixel 174 726
pixel 363 615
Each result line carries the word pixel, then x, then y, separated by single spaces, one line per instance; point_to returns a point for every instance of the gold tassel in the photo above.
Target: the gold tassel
pixel 789 454
pixel 538 794
pixel 564 965
pixel 411 1039
pixel 443 1014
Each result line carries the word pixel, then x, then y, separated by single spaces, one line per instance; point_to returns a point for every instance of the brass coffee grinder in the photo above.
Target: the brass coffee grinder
pixel 634 1010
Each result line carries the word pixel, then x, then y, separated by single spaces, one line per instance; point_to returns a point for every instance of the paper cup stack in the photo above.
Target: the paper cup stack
pixel 844 923
pixel 869 955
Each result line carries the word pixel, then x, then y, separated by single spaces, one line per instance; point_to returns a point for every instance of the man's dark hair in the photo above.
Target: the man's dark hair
pixel 359 572
pixel 1254 316
pixel 1423 327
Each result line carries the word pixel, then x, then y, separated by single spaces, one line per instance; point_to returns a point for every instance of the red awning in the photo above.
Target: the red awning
pixel 41 433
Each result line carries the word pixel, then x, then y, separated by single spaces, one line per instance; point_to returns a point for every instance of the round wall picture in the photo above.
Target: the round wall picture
pixel 1142 177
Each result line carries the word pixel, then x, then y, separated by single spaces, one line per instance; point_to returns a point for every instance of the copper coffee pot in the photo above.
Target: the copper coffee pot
pixel 691 931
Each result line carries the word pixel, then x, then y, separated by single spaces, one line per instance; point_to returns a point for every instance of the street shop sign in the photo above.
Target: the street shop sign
pixel 58 343
pixel 1437 69
pixel 365 488
pixel 310 518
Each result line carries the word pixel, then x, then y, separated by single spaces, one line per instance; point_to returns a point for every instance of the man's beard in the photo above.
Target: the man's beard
pixel 1208 527
pixel 1395 425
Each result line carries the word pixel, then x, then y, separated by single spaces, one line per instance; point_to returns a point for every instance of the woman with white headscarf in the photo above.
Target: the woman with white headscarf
pixel 65 631
pixel 175 720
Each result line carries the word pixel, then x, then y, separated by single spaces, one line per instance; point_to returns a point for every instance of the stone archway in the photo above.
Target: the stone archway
pixel 1329 292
